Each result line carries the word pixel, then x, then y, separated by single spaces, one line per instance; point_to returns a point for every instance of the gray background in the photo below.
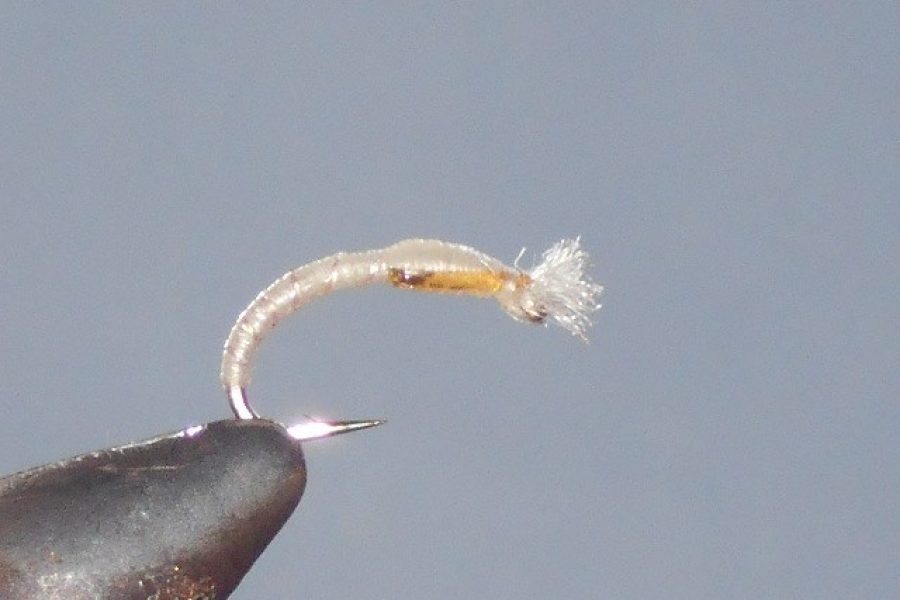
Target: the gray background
pixel 731 432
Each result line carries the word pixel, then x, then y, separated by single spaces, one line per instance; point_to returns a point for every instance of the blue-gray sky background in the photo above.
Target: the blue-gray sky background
pixel 731 431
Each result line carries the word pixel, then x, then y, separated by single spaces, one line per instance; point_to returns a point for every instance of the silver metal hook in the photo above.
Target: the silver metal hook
pixel 313 429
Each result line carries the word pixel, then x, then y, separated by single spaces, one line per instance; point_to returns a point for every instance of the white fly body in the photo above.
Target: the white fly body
pixel 557 289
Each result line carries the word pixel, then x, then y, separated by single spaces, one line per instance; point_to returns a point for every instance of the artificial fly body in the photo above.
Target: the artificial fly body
pixel 555 290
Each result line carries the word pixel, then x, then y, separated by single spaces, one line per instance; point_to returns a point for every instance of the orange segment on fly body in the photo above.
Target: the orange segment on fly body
pixel 475 283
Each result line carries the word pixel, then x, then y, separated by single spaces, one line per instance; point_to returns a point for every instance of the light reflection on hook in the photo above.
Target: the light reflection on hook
pixel 315 430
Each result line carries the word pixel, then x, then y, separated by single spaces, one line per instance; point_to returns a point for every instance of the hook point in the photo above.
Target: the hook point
pixel 315 430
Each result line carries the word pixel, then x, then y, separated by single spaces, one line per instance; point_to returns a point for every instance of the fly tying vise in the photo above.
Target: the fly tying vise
pixel 555 290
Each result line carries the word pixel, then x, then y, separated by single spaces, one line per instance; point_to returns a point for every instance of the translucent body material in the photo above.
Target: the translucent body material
pixel 556 289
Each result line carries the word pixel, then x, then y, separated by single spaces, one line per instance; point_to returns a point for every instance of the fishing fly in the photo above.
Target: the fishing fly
pixel 556 290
